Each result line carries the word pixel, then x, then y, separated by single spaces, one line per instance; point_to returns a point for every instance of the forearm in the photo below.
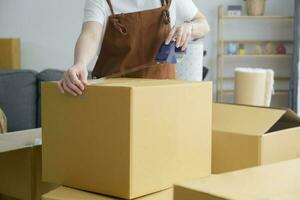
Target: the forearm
pixel 85 50
pixel 87 45
pixel 200 26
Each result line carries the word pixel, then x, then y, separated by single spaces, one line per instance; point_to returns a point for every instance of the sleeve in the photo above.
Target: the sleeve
pixel 96 10
pixel 185 10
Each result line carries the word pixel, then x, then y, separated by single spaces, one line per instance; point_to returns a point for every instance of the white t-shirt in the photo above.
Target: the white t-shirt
pixel 98 10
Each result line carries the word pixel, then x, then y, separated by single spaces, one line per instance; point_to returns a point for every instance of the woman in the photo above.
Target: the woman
pixel 129 34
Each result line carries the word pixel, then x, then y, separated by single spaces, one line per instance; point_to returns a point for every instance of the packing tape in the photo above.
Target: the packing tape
pixel 120 74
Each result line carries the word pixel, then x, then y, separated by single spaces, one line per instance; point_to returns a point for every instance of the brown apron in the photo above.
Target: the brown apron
pixel 132 40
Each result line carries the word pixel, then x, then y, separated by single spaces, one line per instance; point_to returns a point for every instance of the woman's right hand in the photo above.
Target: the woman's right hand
pixel 74 80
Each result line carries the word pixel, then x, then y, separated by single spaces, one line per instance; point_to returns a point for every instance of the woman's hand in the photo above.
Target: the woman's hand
pixel 197 28
pixel 74 80
pixel 182 34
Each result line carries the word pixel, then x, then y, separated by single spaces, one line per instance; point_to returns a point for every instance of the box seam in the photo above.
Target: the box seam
pixel 33 174
pixel 130 140
pixel 259 152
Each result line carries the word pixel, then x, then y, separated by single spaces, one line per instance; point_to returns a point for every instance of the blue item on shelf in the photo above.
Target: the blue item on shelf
pixel 232 48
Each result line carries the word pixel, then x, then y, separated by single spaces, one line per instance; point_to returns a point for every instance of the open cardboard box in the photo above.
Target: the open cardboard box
pixel 20 165
pixel 279 181
pixel 63 193
pixel 127 137
pixel 246 136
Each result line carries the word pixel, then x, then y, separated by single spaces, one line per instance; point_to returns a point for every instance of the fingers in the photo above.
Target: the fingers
pixel 186 42
pixel 184 38
pixel 71 85
pixel 74 79
pixel 60 87
pixel 83 77
pixel 179 37
pixel 66 88
pixel 171 35
pixel 182 34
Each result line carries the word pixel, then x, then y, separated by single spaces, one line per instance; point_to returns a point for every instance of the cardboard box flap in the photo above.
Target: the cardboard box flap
pixel 19 140
pixel 247 120
pixel 288 120
pixel 274 181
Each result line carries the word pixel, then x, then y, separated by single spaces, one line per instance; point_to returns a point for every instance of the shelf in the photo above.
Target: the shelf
pixel 258 56
pixel 258 17
pixel 277 92
pixel 276 78
pixel 224 58
pixel 258 41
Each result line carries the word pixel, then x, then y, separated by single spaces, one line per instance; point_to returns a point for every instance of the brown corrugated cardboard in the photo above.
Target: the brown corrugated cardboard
pixel 127 137
pixel 65 193
pixel 10 49
pixel 246 136
pixel 20 168
pixel 279 181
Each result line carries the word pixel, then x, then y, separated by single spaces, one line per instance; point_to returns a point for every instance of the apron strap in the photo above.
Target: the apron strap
pixel 166 12
pixel 110 7
pixel 166 3
pixel 118 25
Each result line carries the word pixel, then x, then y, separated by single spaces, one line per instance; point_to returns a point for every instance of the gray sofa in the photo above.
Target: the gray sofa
pixel 20 96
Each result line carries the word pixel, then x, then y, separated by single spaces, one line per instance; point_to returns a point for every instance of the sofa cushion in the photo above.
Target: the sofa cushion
pixel 18 98
pixel 46 75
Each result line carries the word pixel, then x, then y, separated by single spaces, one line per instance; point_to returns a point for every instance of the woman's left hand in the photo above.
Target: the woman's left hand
pixel 182 34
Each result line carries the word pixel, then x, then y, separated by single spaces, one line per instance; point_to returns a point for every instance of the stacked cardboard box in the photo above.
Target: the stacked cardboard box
pixel 275 181
pixel 10 53
pixel 127 137
pixel 247 136
pixel 20 168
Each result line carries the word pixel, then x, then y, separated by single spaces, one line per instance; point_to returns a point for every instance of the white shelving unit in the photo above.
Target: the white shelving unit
pixel 223 57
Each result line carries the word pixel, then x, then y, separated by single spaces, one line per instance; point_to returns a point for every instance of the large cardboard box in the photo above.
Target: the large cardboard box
pixel 127 137
pixel 246 136
pixel 20 168
pixel 63 193
pixel 10 53
pixel 279 181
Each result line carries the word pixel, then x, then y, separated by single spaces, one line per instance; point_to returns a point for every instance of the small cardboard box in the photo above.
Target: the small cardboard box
pixel 10 53
pixel 247 136
pixel 279 181
pixel 63 193
pixel 127 137
pixel 20 168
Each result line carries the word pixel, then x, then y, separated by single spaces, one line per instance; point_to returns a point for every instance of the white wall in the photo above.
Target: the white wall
pixel 49 29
